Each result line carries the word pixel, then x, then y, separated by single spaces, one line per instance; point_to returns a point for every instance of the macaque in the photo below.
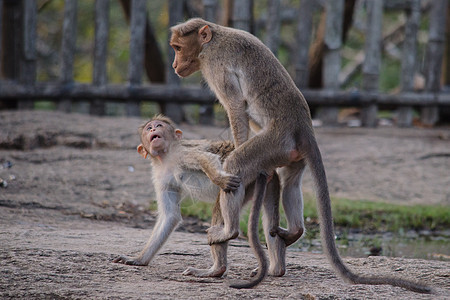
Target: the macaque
pixel 254 88
pixel 194 168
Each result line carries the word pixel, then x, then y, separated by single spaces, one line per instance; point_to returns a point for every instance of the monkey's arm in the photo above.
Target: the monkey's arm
pixel 239 122
pixel 168 218
pixel 210 164
pixel 232 98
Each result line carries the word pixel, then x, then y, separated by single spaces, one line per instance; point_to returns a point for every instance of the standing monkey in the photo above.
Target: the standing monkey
pixel 254 87
pixel 194 168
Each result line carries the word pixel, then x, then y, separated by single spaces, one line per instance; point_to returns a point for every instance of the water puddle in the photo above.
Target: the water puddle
pixel 412 244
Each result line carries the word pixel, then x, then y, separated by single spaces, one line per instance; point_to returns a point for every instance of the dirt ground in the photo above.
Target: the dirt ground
pixel 78 194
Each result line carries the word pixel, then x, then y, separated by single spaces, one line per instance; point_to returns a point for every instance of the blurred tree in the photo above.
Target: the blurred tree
pixel 316 51
pixel 153 60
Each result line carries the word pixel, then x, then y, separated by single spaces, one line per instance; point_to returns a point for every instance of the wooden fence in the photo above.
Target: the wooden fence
pixel 19 88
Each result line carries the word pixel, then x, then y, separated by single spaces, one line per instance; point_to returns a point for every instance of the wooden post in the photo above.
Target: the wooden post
pixel 11 32
pixel 136 63
pixel 332 58
pixel 69 36
pixel 27 73
pixel 1 40
pixel 154 64
pixel 435 52
pixel 100 52
pixel 18 47
pixel 446 67
pixel 173 110
pixel 304 32
pixel 405 113
pixel 206 115
pixel 242 15
pixel 372 60
pixel 273 25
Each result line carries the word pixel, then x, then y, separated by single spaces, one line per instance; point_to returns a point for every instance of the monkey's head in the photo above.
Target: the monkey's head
pixel 187 41
pixel 157 135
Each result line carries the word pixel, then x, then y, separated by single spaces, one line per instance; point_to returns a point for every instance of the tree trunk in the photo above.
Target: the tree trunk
pixel 153 60
pixel 317 47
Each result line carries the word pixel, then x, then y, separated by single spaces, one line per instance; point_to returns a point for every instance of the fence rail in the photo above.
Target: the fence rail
pixel 161 93
pixel 18 25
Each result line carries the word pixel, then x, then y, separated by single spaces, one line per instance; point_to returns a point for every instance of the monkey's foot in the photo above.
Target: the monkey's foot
pixel 217 235
pixel 275 272
pixel 212 272
pixel 288 236
pixel 122 259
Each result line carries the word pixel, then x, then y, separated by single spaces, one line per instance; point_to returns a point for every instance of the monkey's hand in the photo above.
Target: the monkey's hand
pixel 122 259
pixel 227 182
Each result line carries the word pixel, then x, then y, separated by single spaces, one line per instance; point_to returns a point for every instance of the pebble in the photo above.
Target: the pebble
pixel 3 183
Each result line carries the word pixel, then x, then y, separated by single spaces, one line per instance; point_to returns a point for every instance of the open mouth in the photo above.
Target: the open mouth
pixel 153 137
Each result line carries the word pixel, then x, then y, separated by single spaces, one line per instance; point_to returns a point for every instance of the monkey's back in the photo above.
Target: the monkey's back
pixel 263 80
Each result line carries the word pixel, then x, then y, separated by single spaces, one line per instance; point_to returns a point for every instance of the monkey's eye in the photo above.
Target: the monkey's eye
pixel 158 125
pixel 176 48
pixel 149 128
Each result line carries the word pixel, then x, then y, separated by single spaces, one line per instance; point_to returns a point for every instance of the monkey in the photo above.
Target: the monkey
pixel 193 167
pixel 254 88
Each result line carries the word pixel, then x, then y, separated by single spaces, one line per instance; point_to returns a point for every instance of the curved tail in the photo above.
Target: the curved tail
pixel 253 221
pixel 315 163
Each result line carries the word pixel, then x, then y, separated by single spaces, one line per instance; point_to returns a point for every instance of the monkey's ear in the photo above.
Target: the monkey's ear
pixel 205 34
pixel 178 134
pixel 141 150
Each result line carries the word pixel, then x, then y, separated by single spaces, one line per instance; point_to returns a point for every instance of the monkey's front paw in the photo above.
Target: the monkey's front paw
pixel 217 235
pixel 228 182
pixel 122 259
pixel 212 272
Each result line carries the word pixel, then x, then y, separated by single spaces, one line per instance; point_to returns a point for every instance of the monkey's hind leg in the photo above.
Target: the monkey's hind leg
pixel 218 251
pixel 291 180
pixel 218 234
pixel 271 219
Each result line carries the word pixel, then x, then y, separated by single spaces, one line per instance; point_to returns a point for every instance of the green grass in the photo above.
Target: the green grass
pixel 201 210
pixel 368 216
pixel 372 216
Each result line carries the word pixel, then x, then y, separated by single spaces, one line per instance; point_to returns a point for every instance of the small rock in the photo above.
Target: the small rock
pixel 3 183
pixel 6 165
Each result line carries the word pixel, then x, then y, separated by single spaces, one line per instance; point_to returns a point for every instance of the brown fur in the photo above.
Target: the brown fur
pixel 180 166
pixel 254 88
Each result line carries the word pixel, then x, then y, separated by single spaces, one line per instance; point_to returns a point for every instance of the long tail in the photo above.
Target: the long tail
pixel 253 221
pixel 315 163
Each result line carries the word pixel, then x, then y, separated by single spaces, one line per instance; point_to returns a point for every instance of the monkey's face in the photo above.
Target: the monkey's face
pixel 187 49
pixel 156 138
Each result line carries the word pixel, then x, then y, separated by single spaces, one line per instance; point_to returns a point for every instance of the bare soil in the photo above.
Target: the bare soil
pixel 78 195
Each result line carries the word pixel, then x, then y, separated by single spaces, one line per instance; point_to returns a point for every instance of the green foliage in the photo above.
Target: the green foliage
pixel 192 208
pixel 389 74
pixel 44 105
pixel 379 216
pixel 149 109
pixel 366 215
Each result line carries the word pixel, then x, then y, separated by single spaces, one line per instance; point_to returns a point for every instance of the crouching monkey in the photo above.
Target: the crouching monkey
pixel 194 168
pixel 254 87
